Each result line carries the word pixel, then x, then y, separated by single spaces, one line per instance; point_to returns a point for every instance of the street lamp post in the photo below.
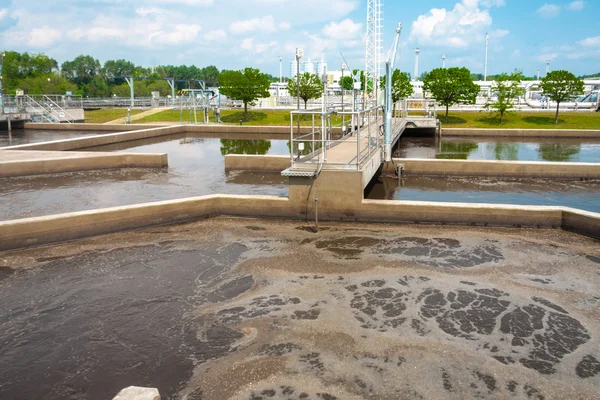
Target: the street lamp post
pixel 538 75
pixel 280 69
pixel 547 66
pixel 485 64
pixel 342 86
pixel 416 77
pixel 299 54
pixel 444 61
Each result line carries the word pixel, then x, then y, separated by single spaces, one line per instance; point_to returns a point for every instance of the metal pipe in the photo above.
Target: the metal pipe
pixel 316 214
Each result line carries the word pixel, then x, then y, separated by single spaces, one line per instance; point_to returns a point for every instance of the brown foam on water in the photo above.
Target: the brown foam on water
pixel 263 310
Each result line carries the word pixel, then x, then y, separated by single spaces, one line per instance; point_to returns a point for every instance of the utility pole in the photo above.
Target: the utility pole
pixel 342 80
pixel 280 69
pixel 444 61
pixel 485 64
pixel 416 76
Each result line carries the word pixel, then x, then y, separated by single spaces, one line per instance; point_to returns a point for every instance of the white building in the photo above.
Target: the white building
pixel 307 66
pixel 321 66
pixel 293 68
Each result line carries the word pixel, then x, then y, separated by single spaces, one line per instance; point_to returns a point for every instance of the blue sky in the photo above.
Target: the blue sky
pixel 233 34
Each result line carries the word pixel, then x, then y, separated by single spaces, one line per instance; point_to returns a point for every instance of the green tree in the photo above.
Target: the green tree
pixel 247 85
pixel 310 87
pixel 559 86
pixel 506 88
pixel 19 66
pixel 347 83
pixel 46 84
pixel 210 75
pixel 451 86
pixel 82 71
pixel 114 70
pixel 401 86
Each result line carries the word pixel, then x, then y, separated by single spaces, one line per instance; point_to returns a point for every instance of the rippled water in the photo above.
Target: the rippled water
pixel 196 167
pixel 504 149
pixel 26 136
pixel 249 309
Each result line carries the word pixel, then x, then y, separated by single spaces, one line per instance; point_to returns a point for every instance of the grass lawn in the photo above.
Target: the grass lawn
pixel 233 117
pixel 107 114
pixel 523 120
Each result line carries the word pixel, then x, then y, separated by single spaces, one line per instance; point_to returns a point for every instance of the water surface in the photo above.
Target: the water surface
pixel 196 167
pixel 501 149
pixel 584 195
pixel 26 136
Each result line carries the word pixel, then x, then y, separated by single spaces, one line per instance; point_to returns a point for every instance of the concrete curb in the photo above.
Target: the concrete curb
pixel 34 163
pixel 423 166
pixel 523 133
pixel 63 227
pixel 532 169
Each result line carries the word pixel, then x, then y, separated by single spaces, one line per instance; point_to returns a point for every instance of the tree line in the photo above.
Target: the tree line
pixel 84 75
pixel 450 86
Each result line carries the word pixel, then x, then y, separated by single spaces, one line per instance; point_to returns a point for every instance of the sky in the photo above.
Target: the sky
pixel 233 34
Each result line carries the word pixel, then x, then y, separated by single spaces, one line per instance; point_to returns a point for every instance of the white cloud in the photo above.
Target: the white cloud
pixel 247 44
pixel 460 27
pixel 250 45
pixel 590 42
pixel 345 29
pixel 217 34
pixel 3 13
pixel 180 33
pixel 265 24
pixel 493 3
pixel 498 33
pixel 576 5
pixel 546 56
pixel 202 3
pixel 43 37
pixel 548 10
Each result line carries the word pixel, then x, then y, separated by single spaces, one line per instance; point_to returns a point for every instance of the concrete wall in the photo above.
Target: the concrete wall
pixel 415 166
pixel 211 128
pixel 63 227
pixel 71 162
pixel 98 140
pixel 524 133
pixel 88 127
pixel 256 162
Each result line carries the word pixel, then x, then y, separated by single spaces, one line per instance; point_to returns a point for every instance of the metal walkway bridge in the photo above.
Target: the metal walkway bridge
pixel 350 140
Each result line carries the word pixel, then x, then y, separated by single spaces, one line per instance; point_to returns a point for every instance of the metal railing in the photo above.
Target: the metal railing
pixel 360 135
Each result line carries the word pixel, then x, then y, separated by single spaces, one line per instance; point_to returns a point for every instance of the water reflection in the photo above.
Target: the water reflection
pixel 583 195
pixel 506 151
pixel 255 146
pixel 456 150
pixel 558 152
pixel 501 149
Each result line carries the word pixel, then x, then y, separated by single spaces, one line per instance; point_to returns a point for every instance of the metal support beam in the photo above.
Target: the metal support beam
pixel 171 82
pixel 129 80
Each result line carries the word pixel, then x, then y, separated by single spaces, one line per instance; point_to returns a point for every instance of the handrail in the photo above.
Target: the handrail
pixel 60 110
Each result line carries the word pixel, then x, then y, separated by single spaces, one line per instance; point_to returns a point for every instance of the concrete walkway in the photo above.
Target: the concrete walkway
pixel 139 116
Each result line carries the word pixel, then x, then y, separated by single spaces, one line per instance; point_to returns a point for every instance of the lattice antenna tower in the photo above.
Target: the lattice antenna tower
pixel 374 42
